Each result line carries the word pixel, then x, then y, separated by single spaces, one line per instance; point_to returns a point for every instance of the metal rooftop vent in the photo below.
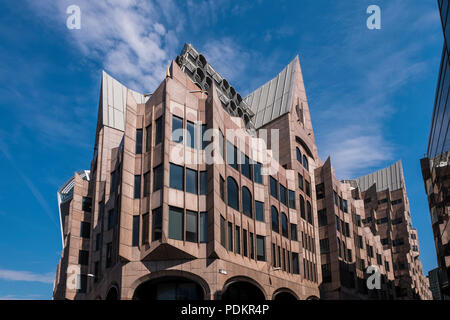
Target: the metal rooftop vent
pixel 195 65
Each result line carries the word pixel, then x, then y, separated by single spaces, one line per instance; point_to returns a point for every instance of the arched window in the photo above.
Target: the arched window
pixel 305 162
pixel 232 193
pixel 284 225
pixel 302 207
pixel 299 155
pixel 275 223
pixel 246 202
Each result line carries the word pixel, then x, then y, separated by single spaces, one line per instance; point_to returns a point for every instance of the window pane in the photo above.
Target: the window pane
pixel 260 248
pixel 222 231
pixel 148 138
pixel 299 155
pixel 177 129
pixel 284 225
pixel 85 230
pixel 137 187
pixel 305 162
pixel 246 202
pixel 203 226
pixel 175 223
pixel 233 195
pixel 302 207
pixel 222 188
pixel 203 140
pixel 191 181
pixel 203 182
pixel 300 181
pixel 238 239
pixel 257 172
pixel 252 246
pixel 139 141
pixel 294 235
pixel 259 210
pixel 230 236
pixel 273 188
pixel 191 226
pixel 275 223
pixel 157 224
pixel 283 195
pixel 135 240
pixel 158 178
pixel 147 184
pixel 158 131
pixel 244 242
pixel 291 199
pixel 309 211
pixel 145 228
pixel 246 168
pixel 191 135
pixel 232 155
pixel 176 177
pixel 295 263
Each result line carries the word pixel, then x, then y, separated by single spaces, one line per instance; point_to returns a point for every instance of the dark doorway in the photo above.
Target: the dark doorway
pixel 113 294
pixel 242 291
pixel 169 288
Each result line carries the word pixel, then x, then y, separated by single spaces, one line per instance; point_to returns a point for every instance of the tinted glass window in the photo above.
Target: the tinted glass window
pixel 246 202
pixel 291 199
pixel 157 178
pixel 203 226
pixel 257 172
pixel 191 135
pixel 176 177
pixel 283 195
pixel 284 225
pixel 137 187
pixel 259 210
pixel 191 181
pixel 273 187
pixel 135 240
pixel 246 167
pixel 260 248
pixel 275 223
pixel 157 224
pixel 191 226
pixel 176 223
pixel 177 129
pixel 158 131
pixel 203 182
pixel 233 194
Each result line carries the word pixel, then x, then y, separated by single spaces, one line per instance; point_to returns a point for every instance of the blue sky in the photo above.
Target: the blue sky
pixel 370 93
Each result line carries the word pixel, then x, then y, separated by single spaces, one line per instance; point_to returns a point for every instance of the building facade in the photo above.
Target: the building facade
pixel 199 193
pixel 388 215
pixel 435 286
pixel 436 163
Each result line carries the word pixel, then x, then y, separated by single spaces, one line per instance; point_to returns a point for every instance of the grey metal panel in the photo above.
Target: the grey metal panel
pixel 275 96
pixel 388 178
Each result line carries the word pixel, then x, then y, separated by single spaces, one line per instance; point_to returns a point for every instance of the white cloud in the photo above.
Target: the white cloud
pixel 128 37
pixel 14 275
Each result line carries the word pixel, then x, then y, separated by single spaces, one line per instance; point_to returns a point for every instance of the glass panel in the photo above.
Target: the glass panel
pixel 284 225
pixel 238 239
pixel 158 178
pixel 191 181
pixel 191 226
pixel 246 202
pixel 137 187
pixel 158 131
pixel 157 224
pixel 259 210
pixel 246 168
pixel 138 141
pixel 203 226
pixel 260 248
pixel 176 223
pixel 222 231
pixel 273 188
pixel 233 195
pixel 176 177
pixel 135 237
pixel 203 182
pixel 177 129
pixel 257 172
pixel 230 236
pixel 291 199
pixel 283 195
pixel 145 228
pixel 191 135
pixel 275 223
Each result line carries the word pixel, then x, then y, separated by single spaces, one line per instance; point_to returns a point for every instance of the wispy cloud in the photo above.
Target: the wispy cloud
pixel 15 275
pixel 21 297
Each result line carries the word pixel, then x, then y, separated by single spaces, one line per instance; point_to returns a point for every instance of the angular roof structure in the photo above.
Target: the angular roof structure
pixel 273 99
pixel 388 178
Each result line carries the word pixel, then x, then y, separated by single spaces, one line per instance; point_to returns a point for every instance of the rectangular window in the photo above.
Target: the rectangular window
pixel 386 265
pixel 156 224
pixel 370 251
pixel 345 205
pixel 222 188
pixel 324 245
pixel 138 141
pixel 309 212
pixel 246 167
pixel 361 242
pixel 137 187
pixel 300 181
pixel 385 241
pixel 283 195
pixel 221 140
pixel 237 233
pixel 320 191
pixel 257 172
pixel 108 254
pixel 302 207
pixel 110 219
pixel 294 235
pixel 260 248
pixel 203 182
pixel 191 181
pixel 379 259
pixel 230 236
pixel 191 226
pixel 177 129
pixel 192 135
pixel 86 204
pixel 204 227
pixel 291 199
pixel 295 263
pixel 358 220
pixel 158 131
pixel 259 210
pixel 347 229
pixel 203 139
pixel 274 255
pixel 252 246
pixel 307 188
pixel 222 231
pixel 176 177
pixel 326 273
pixel 98 241
pixel 273 188
pixel 176 223
pixel 322 217
pixel 135 236
pixel 85 230
pixel 113 182
pixel 82 283
pixel 349 255
pixel 232 156
pixel 148 138
pixel 338 223
pixel 284 260
pixel 147 184
pixel 244 242
pixel 83 257
pixel 158 177
pixel 145 228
